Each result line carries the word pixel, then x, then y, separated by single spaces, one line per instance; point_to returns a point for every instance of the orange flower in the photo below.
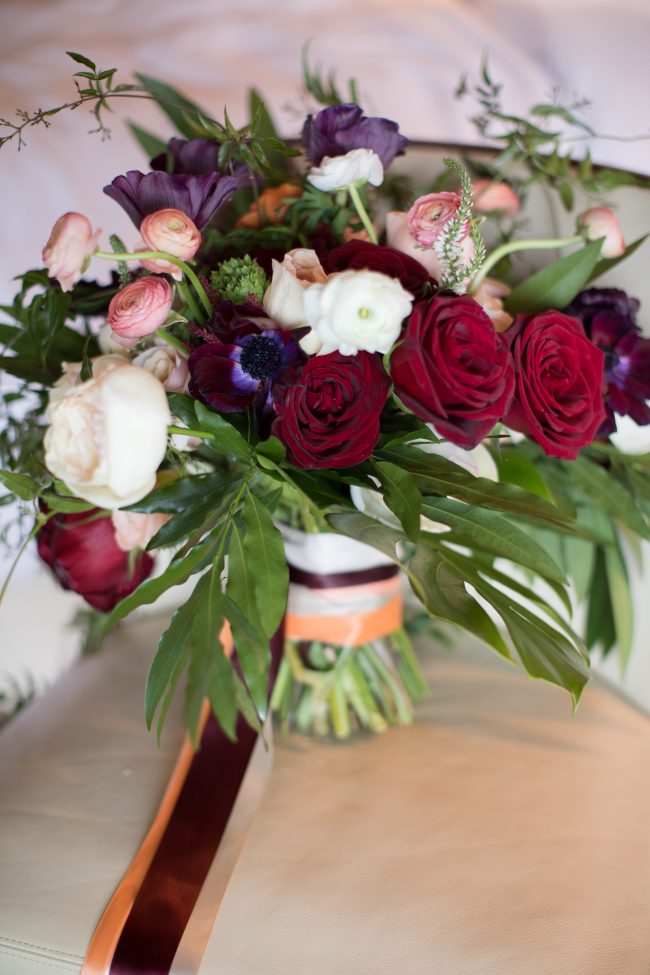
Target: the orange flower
pixel 270 207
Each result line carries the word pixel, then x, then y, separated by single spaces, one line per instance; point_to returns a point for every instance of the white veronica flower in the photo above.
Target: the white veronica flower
pixel 357 310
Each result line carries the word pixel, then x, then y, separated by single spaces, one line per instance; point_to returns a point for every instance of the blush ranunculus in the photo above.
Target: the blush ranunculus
pixel 173 232
pixel 429 216
pixel 69 249
pixel 600 222
pixel 491 196
pixel 357 255
pixel 453 370
pixel 328 416
pixel 559 392
pixel 140 308
pixel 82 552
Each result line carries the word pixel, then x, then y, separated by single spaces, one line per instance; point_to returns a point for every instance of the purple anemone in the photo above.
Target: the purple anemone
pixel 609 317
pixel 340 128
pixel 232 374
pixel 199 196
pixel 193 157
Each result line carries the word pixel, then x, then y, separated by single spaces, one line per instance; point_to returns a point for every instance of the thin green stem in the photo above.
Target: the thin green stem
pixel 21 551
pixel 190 301
pixel 185 432
pixel 167 336
pixel 161 256
pixel 519 245
pixel 355 196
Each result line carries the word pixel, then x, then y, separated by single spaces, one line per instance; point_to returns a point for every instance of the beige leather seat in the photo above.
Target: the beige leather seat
pixel 498 836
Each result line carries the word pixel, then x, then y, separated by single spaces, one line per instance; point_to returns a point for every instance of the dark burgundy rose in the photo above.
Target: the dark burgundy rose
pixel 85 558
pixel 559 395
pixel 609 317
pixel 200 197
pixel 359 254
pixel 340 128
pixel 453 370
pixel 329 415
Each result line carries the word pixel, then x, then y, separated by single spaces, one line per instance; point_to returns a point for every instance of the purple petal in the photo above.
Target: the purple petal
pixel 200 197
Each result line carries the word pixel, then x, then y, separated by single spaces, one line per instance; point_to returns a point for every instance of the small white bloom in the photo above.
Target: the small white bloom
pixel 107 435
pixel 357 310
pixel 630 438
pixel 337 172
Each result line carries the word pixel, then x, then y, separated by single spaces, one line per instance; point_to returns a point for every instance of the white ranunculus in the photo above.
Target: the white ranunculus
pixel 108 435
pixel 357 310
pixel 478 462
pixel 337 172
pixel 630 438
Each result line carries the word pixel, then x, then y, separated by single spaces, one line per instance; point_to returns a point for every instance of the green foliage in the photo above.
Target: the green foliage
pixel 324 90
pixel 556 284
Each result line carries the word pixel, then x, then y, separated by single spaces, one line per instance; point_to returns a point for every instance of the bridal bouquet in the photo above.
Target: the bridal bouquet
pixel 306 374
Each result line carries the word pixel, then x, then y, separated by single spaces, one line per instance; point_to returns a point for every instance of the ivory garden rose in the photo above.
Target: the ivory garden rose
pixel 71 244
pixel 168 365
pixel 107 435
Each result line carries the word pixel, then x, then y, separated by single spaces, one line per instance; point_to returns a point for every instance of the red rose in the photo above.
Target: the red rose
pixel 84 557
pixel 559 395
pixel 329 417
pixel 359 254
pixel 453 370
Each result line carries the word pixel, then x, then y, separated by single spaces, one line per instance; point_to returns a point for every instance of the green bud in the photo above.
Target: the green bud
pixel 239 277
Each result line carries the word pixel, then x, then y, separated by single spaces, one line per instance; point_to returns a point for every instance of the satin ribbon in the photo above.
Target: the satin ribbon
pixel 158 921
pixel 344 608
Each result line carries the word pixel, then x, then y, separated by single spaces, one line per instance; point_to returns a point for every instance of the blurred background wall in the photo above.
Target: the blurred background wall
pixel 407 55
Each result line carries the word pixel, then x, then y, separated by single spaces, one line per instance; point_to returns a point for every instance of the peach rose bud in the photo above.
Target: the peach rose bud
pixel 429 216
pixel 601 222
pixel 490 196
pixel 69 249
pixel 139 308
pixel 173 232
pixel 135 530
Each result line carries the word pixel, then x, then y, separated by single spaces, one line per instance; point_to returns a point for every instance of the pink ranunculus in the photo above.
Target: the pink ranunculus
pixel 399 237
pixel 490 196
pixel 140 308
pixel 601 222
pixel 173 232
pixel 135 530
pixel 429 216
pixel 69 249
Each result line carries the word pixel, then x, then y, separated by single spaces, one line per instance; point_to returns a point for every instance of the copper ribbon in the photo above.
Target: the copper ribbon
pixel 143 926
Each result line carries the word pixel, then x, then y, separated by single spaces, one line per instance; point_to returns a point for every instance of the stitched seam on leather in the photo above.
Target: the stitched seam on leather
pixel 50 951
pixel 10 953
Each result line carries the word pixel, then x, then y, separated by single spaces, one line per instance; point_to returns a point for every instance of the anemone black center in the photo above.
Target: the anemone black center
pixel 260 357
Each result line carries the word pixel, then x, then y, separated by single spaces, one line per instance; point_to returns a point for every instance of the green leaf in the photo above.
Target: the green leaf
pixel 177 573
pixel 556 284
pixel 578 557
pixel 434 474
pixel 82 59
pixel 226 439
pixel 192 519
pixel 515 468
pixel 606 180
pixel 608 263
pixel 152 145
pixel 608 493
pixel 600 626
pixel 183 407
pixel 253 652
pixel 24 487
pixel 402 496
pixel 491 532
pixel 271 448
pixel 264 548
pixel 178 494
pixel 68 505
pixel 174 104
pixel 621 602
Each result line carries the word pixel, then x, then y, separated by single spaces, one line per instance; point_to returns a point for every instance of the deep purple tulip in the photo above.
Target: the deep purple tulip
pixel 193 157
pixel 232 375
pixel 609 317
pixel 200 197
pixel 340 128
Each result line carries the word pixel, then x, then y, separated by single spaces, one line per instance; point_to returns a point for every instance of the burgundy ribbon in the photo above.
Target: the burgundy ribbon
pixel 336 580
pixel 164 903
